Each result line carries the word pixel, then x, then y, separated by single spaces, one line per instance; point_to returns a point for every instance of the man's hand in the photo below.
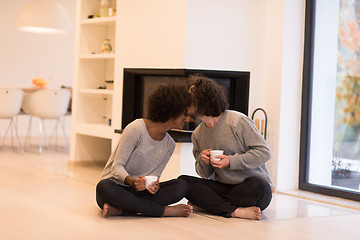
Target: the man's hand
pixel 222 163
pixel 205 156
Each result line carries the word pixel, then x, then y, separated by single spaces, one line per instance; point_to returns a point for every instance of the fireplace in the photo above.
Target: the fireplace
pixel 138 83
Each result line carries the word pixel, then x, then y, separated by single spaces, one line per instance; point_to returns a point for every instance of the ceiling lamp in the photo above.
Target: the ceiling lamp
pixel 44 16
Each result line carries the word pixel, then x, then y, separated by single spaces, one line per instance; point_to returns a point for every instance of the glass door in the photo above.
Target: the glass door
pixel 330 131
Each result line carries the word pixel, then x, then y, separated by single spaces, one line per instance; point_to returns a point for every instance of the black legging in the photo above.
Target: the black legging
pixel 222 199
pixel 132 202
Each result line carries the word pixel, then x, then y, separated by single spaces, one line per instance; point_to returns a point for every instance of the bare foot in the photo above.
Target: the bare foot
pixel 196 208
pixel 109 211
pixel 180 210
pixel 253 213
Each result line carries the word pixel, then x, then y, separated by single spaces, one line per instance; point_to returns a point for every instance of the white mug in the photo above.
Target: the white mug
pixel 149 180
pixel 214 153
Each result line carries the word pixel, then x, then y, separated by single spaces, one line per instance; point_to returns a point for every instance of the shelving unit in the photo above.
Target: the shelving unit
pixel 93 124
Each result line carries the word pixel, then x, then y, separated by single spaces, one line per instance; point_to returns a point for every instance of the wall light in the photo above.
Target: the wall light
pixel 44 16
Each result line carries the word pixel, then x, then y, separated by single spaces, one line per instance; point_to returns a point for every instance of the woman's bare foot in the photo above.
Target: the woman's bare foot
pixel 253 213
pixel 180 210
pixel 196 208
pixel 109 211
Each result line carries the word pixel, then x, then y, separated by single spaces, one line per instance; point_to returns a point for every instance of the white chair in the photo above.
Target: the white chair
pixel 10 105
pixel 46 104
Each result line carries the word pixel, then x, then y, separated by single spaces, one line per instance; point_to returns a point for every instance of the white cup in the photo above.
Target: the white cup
pixel 149 180
pixel 214 153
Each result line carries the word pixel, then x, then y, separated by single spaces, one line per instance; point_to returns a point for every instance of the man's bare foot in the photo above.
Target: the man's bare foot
pixel 180 210
pixel 253 213
pixel 196 208
pixel 109 211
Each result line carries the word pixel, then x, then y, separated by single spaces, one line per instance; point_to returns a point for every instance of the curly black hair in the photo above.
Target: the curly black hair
pixel 168 101
pixel 209 98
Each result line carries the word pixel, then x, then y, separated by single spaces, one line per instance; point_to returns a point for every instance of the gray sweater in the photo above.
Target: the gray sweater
pixel 138 154
pixel 238 136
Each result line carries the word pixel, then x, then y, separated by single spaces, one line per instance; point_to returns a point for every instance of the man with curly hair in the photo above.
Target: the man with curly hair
pixel 144 149
pixel 239 184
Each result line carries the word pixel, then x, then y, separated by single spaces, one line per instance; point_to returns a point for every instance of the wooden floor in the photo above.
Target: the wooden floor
pixel 42 197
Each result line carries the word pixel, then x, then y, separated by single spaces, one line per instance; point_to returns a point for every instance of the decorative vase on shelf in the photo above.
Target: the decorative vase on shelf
pixel 106 47
pixel 104 8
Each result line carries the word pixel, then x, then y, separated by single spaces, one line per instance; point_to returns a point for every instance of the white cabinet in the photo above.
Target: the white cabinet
pixel 93 121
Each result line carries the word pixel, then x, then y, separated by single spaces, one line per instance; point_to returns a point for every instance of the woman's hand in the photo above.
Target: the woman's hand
pixel 222 163
pixel 154 187
pixel 205 156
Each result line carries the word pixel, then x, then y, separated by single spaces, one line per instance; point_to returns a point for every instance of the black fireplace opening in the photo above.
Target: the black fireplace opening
pixel 139 82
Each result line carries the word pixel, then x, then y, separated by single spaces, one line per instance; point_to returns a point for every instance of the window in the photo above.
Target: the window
pixel 330 125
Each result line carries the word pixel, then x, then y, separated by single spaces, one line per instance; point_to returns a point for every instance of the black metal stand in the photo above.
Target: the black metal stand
pixel 265 115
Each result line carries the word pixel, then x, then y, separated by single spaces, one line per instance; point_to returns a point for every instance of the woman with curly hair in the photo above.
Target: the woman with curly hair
pixel 239 184
pixel 144 149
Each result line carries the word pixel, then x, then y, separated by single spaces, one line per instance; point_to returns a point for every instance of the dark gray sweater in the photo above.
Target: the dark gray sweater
pixel 238 136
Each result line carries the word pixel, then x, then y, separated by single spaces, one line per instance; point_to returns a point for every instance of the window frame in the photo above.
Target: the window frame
pixel 306 105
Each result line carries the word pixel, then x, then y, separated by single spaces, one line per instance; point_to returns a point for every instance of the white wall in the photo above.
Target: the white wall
pixel 261 36
pixel 229 35
pixel 151 34
pixel 287 167
pixel 264 37
pixel 27 55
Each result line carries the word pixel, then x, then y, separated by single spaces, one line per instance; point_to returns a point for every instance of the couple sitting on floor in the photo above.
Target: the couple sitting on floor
pixel 238 185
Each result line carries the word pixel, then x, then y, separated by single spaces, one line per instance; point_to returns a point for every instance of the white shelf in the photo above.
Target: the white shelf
pixel 96 111
pixel 98 56
pixel 96 91
pixel 99 21
pixel 97 130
